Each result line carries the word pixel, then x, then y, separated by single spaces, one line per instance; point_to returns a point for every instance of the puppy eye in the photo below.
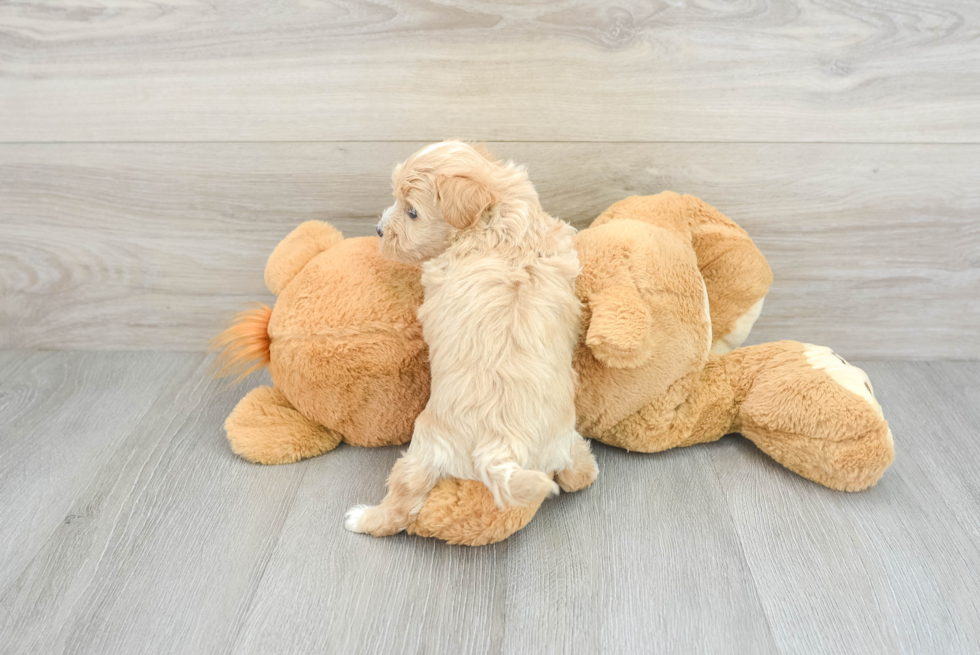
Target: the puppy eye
pixel 412 213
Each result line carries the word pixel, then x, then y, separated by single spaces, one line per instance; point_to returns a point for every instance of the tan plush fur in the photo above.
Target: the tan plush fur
pixel 651 373
pixel 346 346
pixel 268 429
pixel 501 321
pixel 734 271
pixel 464 512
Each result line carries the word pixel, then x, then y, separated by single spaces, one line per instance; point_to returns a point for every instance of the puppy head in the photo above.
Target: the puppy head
pixel 439 191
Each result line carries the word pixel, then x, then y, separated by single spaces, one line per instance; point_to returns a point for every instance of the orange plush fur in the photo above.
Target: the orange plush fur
pixel 669 287
pixel 244 345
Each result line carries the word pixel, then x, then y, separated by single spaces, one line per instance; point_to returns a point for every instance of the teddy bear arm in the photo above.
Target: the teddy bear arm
pixel 735 273
pixel 737 278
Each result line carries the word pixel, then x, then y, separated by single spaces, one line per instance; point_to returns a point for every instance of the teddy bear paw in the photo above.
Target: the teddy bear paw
pixel 846 375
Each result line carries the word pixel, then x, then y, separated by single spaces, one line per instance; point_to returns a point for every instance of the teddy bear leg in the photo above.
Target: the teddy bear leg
pixel 812 412
pixel 266 429
pixel 699 408
pixel 583 470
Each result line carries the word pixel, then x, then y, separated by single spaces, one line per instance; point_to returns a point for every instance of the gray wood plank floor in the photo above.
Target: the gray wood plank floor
pixel 128 526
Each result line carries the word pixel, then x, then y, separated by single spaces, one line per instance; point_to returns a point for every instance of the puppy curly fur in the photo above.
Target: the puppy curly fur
pixel 501 320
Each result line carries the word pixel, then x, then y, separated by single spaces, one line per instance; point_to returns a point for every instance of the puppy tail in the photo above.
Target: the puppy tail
pixel 244 344
pixel 531 487
pixel 512 485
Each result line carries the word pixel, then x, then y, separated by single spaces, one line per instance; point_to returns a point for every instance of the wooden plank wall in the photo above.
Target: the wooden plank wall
pixel 151 155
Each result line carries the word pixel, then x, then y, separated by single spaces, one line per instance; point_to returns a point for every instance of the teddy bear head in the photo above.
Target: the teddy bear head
pixel 645 320
pixel 346 346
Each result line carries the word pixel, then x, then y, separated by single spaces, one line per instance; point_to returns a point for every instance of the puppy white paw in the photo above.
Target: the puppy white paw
pixel 352 520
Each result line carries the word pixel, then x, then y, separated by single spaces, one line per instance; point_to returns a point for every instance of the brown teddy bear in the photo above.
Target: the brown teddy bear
pixel 670 288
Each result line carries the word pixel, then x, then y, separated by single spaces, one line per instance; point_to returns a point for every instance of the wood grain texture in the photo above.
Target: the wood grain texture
pixel 62 415
pixel 946 447
pixel 590 573
pixel 328 590
pixel 882 570
pixel 171 544
pixel 163 549
pixel 753 70
pixel 875 248
pixel 646 560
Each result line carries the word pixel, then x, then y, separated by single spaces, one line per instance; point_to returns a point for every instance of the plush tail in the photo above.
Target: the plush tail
pixel 244 344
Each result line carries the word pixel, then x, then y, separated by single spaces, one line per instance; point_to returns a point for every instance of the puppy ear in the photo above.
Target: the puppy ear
pixel 462 199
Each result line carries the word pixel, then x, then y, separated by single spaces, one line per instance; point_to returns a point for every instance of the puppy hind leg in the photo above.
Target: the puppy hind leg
pixel 408 486
pixel 583 470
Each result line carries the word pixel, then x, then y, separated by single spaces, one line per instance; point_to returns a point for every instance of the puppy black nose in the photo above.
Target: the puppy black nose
pixel 381 232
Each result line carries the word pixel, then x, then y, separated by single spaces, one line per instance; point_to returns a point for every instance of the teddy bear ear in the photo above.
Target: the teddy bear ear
pixel 619 327
pixel 462 199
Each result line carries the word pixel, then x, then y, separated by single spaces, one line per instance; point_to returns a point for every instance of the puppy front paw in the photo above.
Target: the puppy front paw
pixel 354 518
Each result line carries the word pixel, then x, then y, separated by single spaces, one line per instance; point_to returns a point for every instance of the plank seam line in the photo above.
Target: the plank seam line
pixel 246 610
pixel 741 548
pixel 47 541
pixel 501 141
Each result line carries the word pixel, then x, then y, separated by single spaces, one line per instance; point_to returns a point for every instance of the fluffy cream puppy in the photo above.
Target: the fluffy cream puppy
pixel 501 321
